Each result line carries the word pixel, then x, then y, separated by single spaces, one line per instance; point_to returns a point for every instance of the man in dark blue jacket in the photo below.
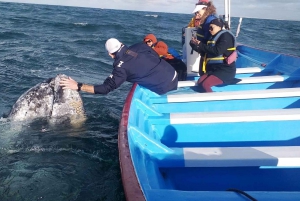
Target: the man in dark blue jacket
pixel 136 64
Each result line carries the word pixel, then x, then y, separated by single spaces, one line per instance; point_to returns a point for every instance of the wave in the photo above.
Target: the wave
pixel 95 155
pixel 81 23
pixel 12 35
pixel 151 15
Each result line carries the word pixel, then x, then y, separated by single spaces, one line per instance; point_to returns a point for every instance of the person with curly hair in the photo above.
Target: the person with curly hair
pixel 195 21
pixel 207 12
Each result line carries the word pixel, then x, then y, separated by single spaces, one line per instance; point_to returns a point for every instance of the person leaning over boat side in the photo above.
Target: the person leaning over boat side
pixel 219 59
pixel 162 50
pixel 136 64
pixel 207 12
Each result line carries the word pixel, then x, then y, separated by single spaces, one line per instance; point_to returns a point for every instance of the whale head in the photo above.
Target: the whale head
pixel 48 99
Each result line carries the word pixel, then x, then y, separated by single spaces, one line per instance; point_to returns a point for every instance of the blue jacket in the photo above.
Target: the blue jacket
pixel 212 42
pixel 203 33
pixel 139 64
pixel 174 53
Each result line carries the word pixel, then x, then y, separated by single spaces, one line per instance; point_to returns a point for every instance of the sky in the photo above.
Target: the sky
pixel 265 9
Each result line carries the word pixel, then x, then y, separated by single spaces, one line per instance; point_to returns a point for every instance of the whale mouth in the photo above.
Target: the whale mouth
pixel 48 99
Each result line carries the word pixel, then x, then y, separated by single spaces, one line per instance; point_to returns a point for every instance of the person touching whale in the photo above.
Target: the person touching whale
pixel 136 64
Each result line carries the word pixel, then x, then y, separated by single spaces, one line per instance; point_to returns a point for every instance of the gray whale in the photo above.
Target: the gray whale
pixel 48 99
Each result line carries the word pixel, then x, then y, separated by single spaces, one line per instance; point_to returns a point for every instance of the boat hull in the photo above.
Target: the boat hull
pixel 241 142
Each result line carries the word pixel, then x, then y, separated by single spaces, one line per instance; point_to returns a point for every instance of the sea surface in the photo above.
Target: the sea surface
pixel 61 162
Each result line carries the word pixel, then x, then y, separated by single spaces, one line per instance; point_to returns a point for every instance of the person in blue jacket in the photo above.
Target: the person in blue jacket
pixel 136 64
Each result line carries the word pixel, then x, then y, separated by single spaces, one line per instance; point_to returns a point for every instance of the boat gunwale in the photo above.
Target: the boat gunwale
pixel 130 183
pixel 269 51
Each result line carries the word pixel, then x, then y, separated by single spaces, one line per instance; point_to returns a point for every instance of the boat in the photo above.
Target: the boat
pixel 239 143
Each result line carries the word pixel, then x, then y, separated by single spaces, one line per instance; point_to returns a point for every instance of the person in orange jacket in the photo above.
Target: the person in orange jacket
pixel 150 40
pixel 162 50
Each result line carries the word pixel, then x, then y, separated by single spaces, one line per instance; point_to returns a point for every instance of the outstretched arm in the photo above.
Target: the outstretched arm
pixel 69 83
pixel 112 82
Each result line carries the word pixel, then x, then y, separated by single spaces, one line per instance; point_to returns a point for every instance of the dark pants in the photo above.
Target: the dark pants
pixel 180 68
pixel 206 81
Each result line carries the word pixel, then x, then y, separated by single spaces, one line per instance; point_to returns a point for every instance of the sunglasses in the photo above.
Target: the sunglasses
pixel 148 41
pixel 211 28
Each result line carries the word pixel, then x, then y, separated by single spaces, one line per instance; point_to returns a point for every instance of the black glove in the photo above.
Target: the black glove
pixel 194 45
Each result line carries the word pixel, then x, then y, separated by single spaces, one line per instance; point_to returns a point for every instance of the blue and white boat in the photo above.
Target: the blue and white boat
pixel 239 143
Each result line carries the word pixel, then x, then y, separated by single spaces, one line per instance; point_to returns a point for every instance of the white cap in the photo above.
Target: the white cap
pixel 199 7
pixel 112 45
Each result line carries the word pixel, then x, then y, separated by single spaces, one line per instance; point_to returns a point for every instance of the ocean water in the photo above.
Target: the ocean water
pixel 60 162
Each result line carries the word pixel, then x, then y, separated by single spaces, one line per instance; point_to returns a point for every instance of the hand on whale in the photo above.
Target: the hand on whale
pixel 68 83
pixel 48 99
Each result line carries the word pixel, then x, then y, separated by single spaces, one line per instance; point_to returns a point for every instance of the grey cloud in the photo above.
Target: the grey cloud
pixel 275 9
